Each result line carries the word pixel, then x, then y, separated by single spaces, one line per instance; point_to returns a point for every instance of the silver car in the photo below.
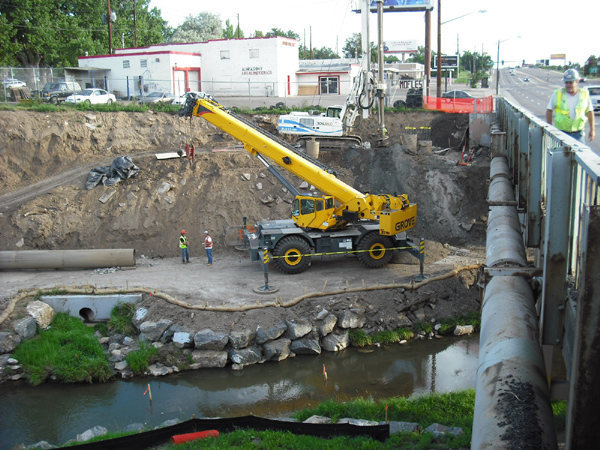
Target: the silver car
pixel 157 97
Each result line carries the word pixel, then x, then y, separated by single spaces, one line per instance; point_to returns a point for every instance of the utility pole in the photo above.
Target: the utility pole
pixel 135 23
pixel 381 82
pixel 427 50
pixel 108 17
pixel 238 26
pixel 439 55
pixel 310 37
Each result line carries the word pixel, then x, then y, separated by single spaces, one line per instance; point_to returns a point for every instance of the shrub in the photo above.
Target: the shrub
pixel 139 360
pixel 120 319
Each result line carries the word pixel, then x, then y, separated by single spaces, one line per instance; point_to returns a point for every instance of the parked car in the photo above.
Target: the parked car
pixel 10 83
pixel 595 96
pixel 456 94
pixel 91 96
pixel 182 98
pixel 157 97
pixel 58 91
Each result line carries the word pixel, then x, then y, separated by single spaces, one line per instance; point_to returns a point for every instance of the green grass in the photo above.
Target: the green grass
pixel 120 319
pixel 358 338
pixel 39 106
pixel 139 360
pixel 67 352
pixel 472 318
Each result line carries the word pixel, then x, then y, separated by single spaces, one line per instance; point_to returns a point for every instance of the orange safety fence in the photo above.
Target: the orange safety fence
pixel 460 105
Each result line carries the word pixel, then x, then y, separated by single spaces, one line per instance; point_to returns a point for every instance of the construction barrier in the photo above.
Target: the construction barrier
pixel 460 105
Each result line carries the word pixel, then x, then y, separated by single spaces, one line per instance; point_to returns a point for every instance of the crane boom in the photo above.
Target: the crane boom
pixel 394 214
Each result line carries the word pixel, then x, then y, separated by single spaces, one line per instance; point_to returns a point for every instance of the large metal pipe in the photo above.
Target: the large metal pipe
pixel 512 401
pixel 66 259
pixel 504 244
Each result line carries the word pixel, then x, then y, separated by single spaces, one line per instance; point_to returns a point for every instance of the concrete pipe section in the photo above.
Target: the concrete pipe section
pixel 67 259
pixel 512 403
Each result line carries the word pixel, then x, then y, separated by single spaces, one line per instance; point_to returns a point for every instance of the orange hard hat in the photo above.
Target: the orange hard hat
pixel 182 231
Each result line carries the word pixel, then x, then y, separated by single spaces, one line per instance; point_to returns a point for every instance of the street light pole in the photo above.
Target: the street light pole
pixel 498 67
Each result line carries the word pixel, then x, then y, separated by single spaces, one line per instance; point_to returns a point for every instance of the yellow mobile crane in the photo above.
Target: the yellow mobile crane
pixel 342 220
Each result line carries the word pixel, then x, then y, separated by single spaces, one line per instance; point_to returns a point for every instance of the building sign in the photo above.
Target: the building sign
pixel 407 84
pixel 407 46
pixel 403 5
pixel 255 70
pixel 448 62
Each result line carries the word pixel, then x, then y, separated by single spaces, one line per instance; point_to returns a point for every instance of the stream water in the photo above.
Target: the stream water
pixel 57 413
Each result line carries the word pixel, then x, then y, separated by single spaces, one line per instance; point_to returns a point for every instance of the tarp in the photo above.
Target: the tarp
pixel 121 168
pixel 161 435
pixel 460 105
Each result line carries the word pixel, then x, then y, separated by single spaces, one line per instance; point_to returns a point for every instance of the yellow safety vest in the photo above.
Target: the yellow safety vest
pixel 183 242
pixel 563 120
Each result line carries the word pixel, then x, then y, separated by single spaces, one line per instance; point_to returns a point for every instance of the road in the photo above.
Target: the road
pixel 534 94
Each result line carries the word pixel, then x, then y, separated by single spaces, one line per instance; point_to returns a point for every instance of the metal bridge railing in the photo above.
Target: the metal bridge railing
pixel 556 205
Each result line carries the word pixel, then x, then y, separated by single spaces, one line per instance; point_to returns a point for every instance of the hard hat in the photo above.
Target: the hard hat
pixel 570 75
pixel 205 232
pixel 182 231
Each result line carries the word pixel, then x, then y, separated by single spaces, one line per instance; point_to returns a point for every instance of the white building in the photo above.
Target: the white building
pixel 228 67
pixel 326 76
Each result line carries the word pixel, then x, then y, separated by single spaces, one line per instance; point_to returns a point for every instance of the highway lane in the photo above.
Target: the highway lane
pixel 534 94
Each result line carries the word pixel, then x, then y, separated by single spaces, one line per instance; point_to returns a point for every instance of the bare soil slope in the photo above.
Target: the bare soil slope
pixel 214 192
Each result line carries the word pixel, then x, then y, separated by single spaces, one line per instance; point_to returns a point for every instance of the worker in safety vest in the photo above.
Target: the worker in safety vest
pixel 570 107
pixel 208 245
pixel 184 246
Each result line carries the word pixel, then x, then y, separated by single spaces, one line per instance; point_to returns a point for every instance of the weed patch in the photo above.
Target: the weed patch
pixel 120 319
pixel 139 360
pixel 67 352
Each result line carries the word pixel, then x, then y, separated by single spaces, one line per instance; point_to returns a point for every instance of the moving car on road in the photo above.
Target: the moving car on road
pixel 595 97
pixel 92 97
pixel 526 79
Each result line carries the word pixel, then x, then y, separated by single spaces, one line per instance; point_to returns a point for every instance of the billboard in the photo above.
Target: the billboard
pixel 403 5
pixel 558 56
pixel 448 62
pixel 406 46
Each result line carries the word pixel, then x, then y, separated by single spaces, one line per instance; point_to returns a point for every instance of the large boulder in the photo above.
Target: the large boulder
pixel 306 346
pixel 269 334
pixel 183 339
pixel 91 433
pixel 241 339
pixel 153 331
pixel 41 312
pixel 139 317
pixel 8 342
pixel 26 328
pixel 353 318
pixel 327 325
pixel 210 340
pixel 245 356
pixel 298 328
pixel 277 350
pixel 336 341
pixel 208 358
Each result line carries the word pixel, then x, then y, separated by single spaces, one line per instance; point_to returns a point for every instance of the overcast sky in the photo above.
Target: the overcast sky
pixel 529 29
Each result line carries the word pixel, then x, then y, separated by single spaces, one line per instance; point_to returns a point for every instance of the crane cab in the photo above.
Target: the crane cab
pixel 314 212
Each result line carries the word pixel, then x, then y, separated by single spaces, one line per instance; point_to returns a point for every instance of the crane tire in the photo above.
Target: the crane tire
pixel 289 250
pixel 374 250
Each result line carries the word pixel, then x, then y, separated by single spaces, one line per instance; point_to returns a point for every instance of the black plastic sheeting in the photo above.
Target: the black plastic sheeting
pixel 163 435
pixel 121 168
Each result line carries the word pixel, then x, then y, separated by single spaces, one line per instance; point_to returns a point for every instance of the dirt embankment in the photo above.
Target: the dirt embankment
pixel 223 184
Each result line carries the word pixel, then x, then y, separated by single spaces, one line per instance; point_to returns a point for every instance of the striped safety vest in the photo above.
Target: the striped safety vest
pixel 183 242
pixel 563 120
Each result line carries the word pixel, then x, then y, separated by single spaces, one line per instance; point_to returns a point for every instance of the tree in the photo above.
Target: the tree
pixel 203 27
pixel 324 53
pixel 352 47
pixel 55 32
pixel 230 33
pixel 278 32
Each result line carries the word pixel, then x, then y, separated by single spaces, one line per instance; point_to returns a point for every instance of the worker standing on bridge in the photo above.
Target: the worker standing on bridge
pixel 570 106
pixel 184 246
pixel 208 245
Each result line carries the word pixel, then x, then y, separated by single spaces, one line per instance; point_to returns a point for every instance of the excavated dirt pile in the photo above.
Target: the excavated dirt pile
pixel 45 159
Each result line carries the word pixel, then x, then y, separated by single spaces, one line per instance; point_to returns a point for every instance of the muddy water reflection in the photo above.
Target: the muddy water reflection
pixel 57 413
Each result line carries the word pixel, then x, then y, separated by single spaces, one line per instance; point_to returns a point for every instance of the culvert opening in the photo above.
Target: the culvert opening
pixel 87 314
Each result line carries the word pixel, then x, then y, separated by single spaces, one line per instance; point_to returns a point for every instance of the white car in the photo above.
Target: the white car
pixel 92 97
pixel 595 96
pixel 182 98
pixel 13 83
